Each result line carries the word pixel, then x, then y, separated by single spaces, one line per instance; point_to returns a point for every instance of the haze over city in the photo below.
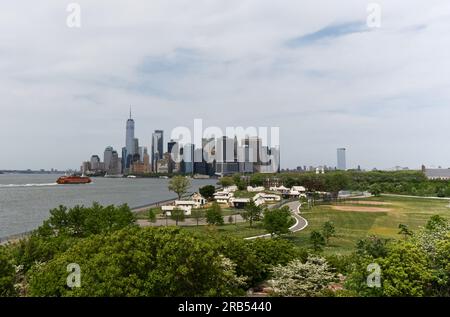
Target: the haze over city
pixel 314 69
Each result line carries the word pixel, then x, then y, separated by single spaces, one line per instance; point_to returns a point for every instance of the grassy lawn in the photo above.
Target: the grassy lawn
pixel 144 214
pixel 244 194
pixel 240 230
pixel 370 216
pixel 354 225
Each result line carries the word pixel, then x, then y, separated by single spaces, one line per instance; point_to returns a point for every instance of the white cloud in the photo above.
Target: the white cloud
pixel 383 94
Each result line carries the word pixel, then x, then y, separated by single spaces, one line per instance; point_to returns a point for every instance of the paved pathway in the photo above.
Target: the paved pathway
pixel 300 222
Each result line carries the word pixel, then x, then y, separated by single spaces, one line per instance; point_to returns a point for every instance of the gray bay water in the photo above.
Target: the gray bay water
pixel 25 199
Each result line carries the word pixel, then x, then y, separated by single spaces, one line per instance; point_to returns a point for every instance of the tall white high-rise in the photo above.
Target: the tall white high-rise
pixel 341 161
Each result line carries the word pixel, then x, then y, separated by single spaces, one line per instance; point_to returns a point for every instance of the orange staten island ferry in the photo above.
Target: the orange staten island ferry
pixel 73 180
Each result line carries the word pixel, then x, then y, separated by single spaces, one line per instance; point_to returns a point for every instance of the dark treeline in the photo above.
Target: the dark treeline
pixel 398 182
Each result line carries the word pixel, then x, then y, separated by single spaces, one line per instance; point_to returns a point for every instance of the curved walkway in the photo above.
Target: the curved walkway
pixel 300 222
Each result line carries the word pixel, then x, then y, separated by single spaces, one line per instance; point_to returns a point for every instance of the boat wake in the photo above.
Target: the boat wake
pixel 26 185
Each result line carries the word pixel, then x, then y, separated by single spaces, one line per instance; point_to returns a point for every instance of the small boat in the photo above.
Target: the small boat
pixel 131 176
pixel 73 180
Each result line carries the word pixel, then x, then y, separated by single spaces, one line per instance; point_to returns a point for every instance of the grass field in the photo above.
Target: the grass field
pixel 370 216
pixel 240 230
pixel 361 222
pixel 144 213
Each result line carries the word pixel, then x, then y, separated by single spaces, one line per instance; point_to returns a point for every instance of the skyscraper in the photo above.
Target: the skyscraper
pixel 157 146
pixel 124 159
pixel 107 157
pixel 226 156
pixel 341 161
pixel 170 145
pixel 129 142
pixel 115 165
pixel 188 159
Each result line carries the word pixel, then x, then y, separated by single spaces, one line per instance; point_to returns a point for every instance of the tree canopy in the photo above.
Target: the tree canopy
pixel 207 191
pixel 277 221
pixel 141 262
pixel 179 185
pixel 214 215
pixel 252 212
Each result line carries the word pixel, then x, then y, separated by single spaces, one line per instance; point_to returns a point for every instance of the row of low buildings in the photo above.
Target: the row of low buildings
pixel 226 196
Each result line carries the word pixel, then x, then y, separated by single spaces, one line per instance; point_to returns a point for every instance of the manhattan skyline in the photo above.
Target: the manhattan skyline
pixel 315 70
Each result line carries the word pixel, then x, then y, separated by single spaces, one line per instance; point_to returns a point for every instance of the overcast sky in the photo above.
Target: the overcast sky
pixel 313 68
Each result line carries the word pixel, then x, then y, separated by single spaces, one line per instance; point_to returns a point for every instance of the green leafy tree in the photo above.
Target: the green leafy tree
pixel 152 215
pixel 257 180
pixel 372 246
pixel 7 274
pixel 277 251
pixel 317 240
pixel 252 212
pixel 226 181
pixel 241 252
pixel 198 214
pixel 404 271
pixel 141 262
pixel 436 222
pixel 375 189
pixel 255 258
pixel 38 249
pixel 207 191
pixel 302 279
pixel 277 221
pixel 214 215
pixel 404 230
pixel 65 226
pixel 80 221
pixel 441 275
pixel 179 185
pixel 328 231
pixel 177 215
pixel 239 182
pixel 336 181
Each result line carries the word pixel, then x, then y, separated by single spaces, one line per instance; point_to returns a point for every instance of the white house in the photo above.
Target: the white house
pixel 300 189
pixel 199 199
pixel 255 189
pixel 280 189
pixel 263 198
pixel 230 189
pixel 167 210
pixel 239 202
pixel 187 203
pixel 223 197
pixel 270 197
pixel 222 193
